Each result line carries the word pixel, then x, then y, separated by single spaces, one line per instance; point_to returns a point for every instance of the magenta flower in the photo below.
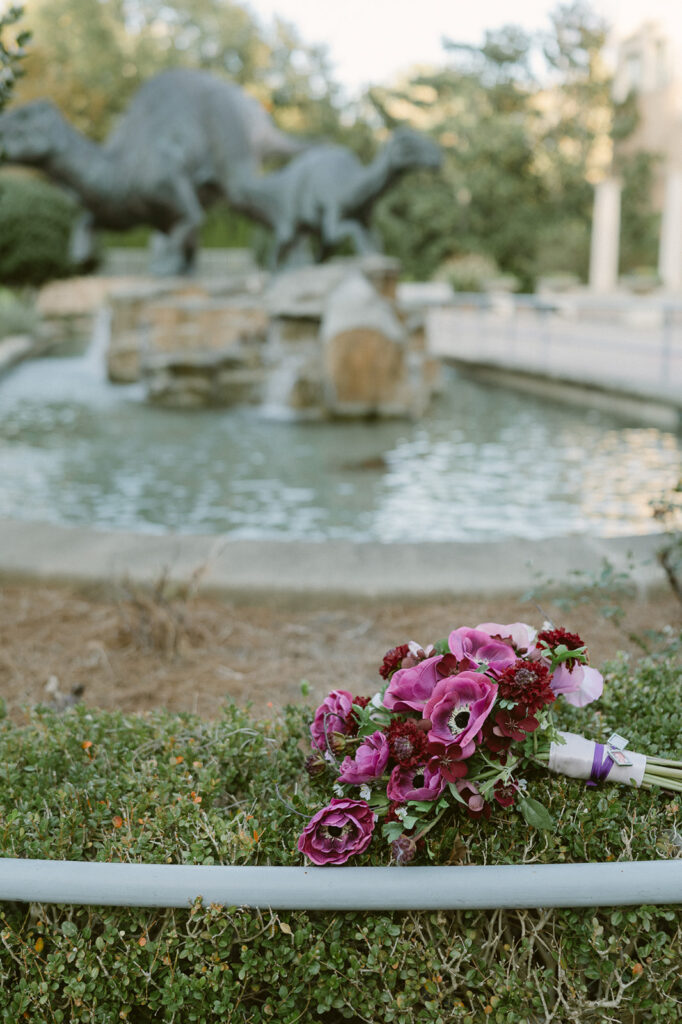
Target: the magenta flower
pixel 410 688
pixel 370 759
pixel 420 782
pixel 331 716
pixel 475 649
pixel 517 634
pixel 579 684
pixel 457 709
pixel 337 832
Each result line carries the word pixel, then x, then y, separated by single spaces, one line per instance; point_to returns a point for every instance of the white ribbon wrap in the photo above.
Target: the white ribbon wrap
pixel 575 757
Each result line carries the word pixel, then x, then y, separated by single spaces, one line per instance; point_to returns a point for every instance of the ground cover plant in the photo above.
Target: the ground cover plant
pixel 163 788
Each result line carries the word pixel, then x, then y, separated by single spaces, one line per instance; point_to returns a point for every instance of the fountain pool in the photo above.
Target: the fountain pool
pixel 484 464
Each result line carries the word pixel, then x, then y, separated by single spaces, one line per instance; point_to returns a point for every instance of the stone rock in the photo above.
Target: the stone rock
pixel 365 354
pixel 205 325
pixel 196 379
pixel 124 357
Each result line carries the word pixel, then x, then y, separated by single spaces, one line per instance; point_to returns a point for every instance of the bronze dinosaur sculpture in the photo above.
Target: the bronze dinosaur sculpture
pixel 187 138
pixel 328 193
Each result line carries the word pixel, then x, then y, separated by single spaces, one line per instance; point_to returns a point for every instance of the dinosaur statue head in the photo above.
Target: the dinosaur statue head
pixel 31 134
pixel 407 149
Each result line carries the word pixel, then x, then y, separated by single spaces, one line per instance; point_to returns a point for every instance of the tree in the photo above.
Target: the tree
pixel 12 51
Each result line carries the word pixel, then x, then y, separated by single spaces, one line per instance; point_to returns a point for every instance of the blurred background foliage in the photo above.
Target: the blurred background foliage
pixel 527 124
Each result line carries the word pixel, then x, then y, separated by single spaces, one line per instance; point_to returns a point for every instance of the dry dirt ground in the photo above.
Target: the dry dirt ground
pixel 136 651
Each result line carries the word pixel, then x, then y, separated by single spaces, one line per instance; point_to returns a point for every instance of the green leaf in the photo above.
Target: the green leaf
pixel 392 830
pixel 441 647
pixel 535 813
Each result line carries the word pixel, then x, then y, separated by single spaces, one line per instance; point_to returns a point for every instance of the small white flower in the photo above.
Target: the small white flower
pixel 365 792
pixel 338 790
pixel 401 812
pixel 376 701
pixel 328 756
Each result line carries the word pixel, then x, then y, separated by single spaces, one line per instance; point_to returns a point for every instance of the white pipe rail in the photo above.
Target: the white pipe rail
pixel 343 888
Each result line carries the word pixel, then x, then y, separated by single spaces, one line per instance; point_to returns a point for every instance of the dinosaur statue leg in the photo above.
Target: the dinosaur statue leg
pixel 284 237
pixel 335 230
pixel 177 252
pixel 82 241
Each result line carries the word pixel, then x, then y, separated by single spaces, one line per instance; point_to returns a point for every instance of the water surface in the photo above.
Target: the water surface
pixel 484 464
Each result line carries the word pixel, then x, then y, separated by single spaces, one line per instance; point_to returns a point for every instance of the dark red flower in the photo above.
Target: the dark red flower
pixel 449 764
pixel 408 743
pixel 496 745
pixel 351 720
pixel 526 683
pixel 393 660
pixel 476 805
pixel 505 795
pixel 514 723
pixel 556 637
pixel 450 666
pixel 391 813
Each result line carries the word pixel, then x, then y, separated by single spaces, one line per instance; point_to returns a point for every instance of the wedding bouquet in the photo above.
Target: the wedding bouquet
pixel 455 726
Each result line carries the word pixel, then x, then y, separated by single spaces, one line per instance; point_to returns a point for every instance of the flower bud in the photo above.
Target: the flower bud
pixel 403 849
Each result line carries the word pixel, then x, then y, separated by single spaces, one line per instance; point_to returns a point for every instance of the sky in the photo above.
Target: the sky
pixel 372 41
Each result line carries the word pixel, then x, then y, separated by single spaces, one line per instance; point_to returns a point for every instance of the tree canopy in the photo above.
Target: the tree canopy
pixel 526 121
pixel 12 51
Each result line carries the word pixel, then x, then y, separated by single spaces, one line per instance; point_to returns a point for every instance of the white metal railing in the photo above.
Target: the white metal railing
pixel 630 345
pixel 344 888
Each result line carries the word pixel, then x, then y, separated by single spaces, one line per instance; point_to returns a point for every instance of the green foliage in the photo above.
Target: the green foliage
pixel 12 51
pixel 35 225
pixel 91 56
pixel 640 225
pixel 470 273
pixel 104 786
pixel 17 316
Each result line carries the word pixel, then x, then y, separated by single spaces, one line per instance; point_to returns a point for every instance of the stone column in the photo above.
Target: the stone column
pixel 670 249
pixel 605 241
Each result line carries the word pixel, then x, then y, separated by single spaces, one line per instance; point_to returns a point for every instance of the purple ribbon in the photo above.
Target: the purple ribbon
pixel 601 765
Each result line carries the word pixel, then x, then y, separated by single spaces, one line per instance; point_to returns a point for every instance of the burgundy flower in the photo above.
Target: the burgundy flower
pixel 370 759
pixel 330 717
pixel 417 783
pixel 496 745
pixel 407 742
pixel 514 723
pixel 352 720
pixel 505 794
pixel 557 637
pixel 476 805
pixel 478 651
pixel 457 709
pixel 393 660
pixel 450 763
pixel 337 832
pixel 527 683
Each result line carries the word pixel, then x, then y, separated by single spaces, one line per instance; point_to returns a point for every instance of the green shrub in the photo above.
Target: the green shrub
pixel 17 315
pixel 172 788
pixel 35 225
pixel 472 272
